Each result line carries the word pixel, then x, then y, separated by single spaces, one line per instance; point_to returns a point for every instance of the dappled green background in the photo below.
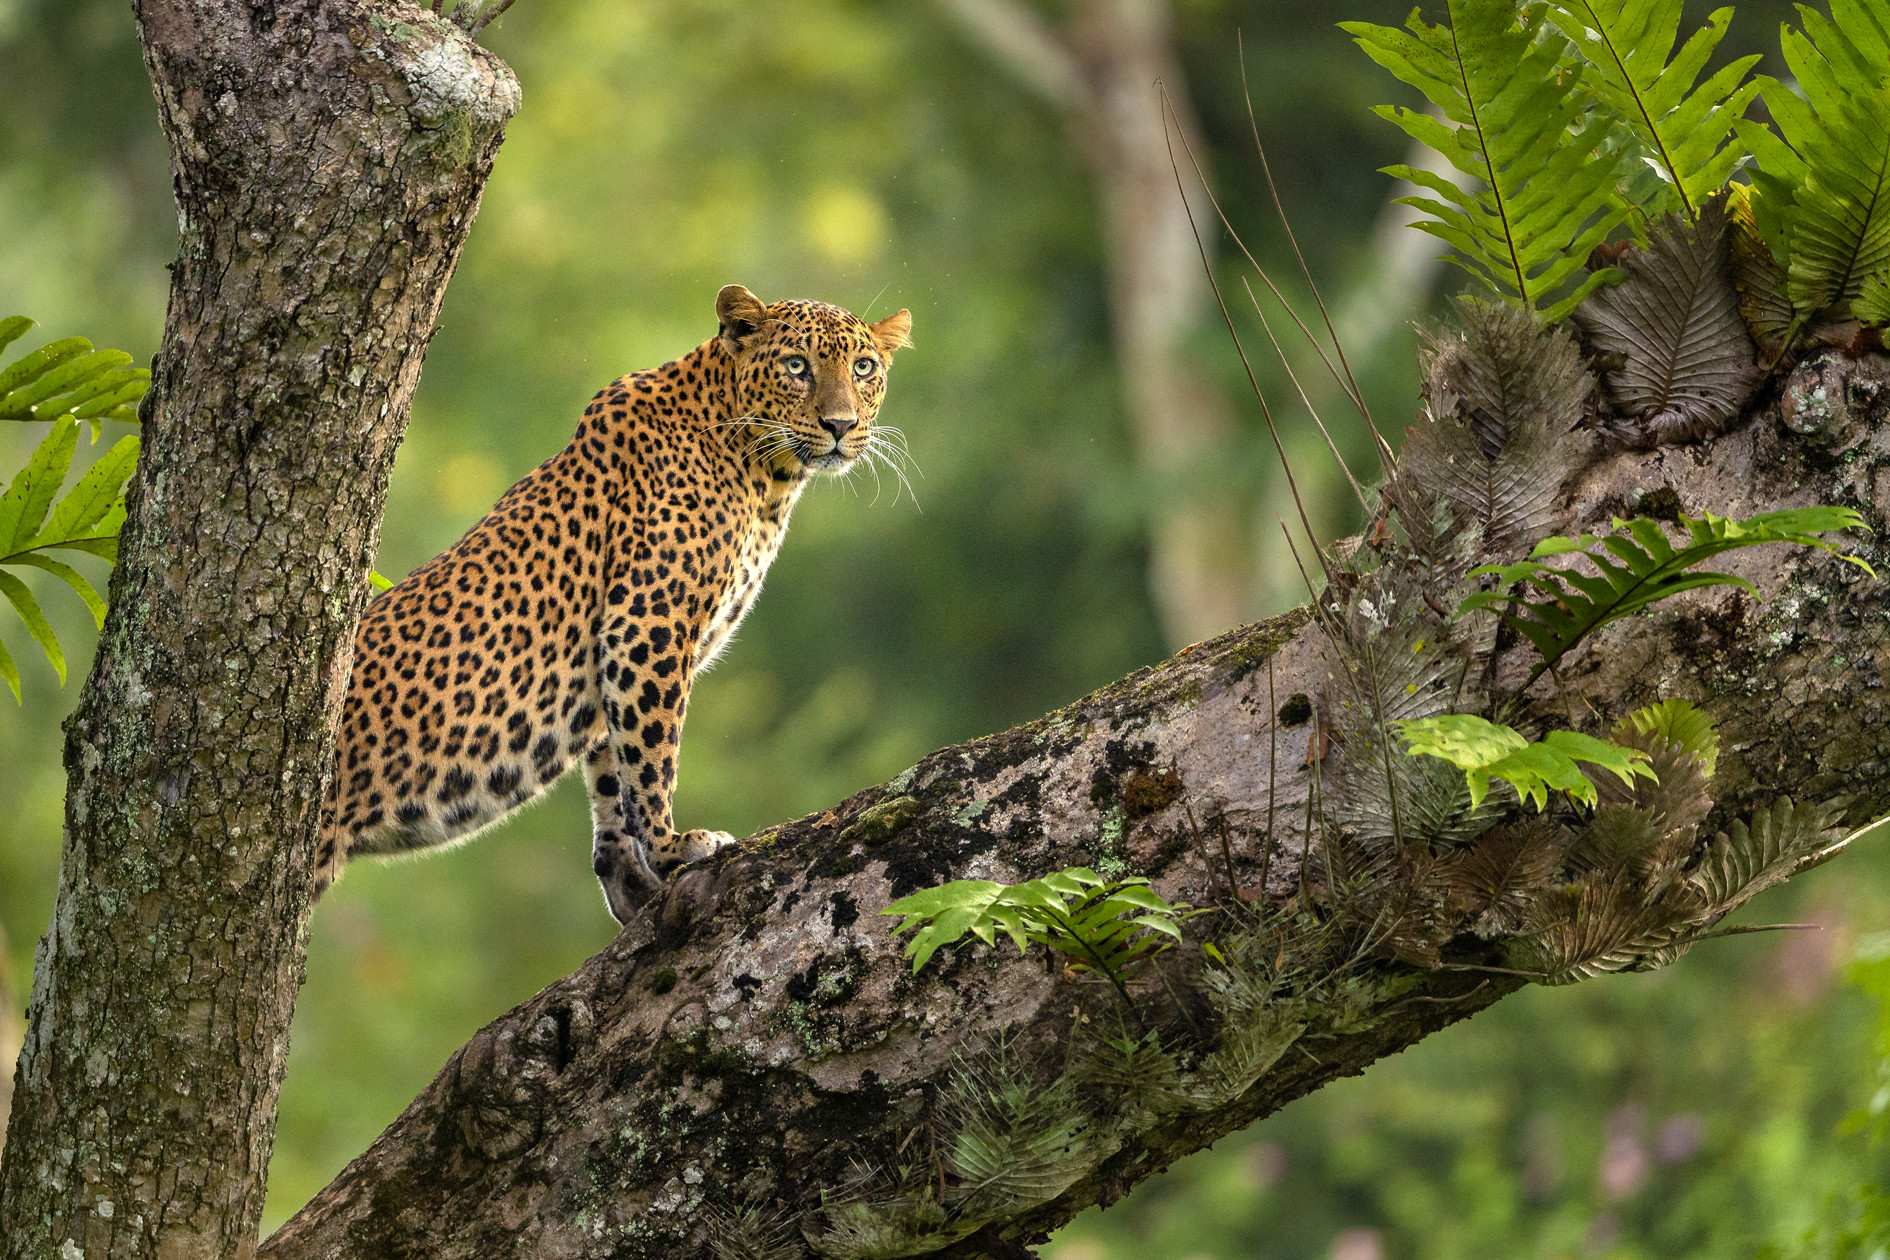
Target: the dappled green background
pixel 865 154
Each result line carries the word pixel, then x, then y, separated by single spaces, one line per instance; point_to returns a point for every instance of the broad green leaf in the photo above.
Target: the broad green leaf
pixel 12 328
pixel 23 507
pixel 92 499
pixel 68 377
pixel 1873 302
pixel 1095 923
pixel 23 603
pixel 10 672
pixel 71 577
pixel 1486 750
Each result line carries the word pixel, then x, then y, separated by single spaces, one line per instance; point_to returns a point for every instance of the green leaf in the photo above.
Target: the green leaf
pixel 1757 275
pixel 1681 131
pixel 1096 923
pixel 1517 122
pixel 1678 722
pixel 23 603
pixel 68 377
pixel 12 328
pixel 10 672
pixel 86 506
pixel 71 577
pixel 379 581
pixel 1826 173
pixel 1486 750
pixel 23 507
pixel 1637 566
pixel 1873 302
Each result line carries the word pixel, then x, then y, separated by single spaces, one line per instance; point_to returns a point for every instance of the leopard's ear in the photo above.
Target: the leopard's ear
pixel 740 314
pixel 893 333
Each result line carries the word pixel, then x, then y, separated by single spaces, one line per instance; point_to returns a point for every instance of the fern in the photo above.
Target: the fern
pixel 1873 302
pixel 1098 924
pixel 1677 722
pixel 32 524
pixel 1756 274
pixel 1017 1144
pixel 1592 929
pixel 1636 566
pixel 1502 397
pixel 1681 130
pixel 1516 121
pixel 68 378
pixel 1749 858
pixel 1485 750
pixel 1674 323
pixel 1825 175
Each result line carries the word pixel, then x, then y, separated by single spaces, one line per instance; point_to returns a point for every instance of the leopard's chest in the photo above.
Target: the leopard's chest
pixel 750 566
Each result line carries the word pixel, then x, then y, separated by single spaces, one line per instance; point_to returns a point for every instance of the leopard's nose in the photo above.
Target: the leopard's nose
pixel 839 426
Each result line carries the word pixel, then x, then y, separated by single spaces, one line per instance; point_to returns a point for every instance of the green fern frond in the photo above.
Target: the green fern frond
pixel 1486 750
pixel 1873 302
pixel 1675 721
pixel 1637 566
pixel 34 520
pixel 1516 120
pixel 1757 274
pixel 1101 925
pixel 1827 169
pixel 68 378
pixel 1682 131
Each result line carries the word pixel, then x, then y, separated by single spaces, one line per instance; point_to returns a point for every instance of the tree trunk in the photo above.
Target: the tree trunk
pixel 753 1069
pixel 12 1034
pixel 327 157
pixel 1105 76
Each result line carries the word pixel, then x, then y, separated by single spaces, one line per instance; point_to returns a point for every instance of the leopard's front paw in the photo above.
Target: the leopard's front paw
pixel 694 846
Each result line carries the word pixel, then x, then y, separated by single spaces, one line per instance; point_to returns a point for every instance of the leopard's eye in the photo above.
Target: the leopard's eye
pixel 795 364
pixel 864 367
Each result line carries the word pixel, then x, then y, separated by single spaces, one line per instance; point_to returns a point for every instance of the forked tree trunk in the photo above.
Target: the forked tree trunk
pixel 327 157
pixel 752 1070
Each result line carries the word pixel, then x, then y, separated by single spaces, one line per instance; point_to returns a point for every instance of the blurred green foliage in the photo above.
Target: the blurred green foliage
pixel 863 154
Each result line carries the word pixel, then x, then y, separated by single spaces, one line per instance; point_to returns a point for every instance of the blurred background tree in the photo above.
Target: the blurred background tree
pixel 879 156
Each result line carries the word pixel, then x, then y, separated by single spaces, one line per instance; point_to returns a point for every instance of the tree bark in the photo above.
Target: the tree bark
pixel 1104 75
pixel 327 159
pixel 12 1034
pixel 752 1068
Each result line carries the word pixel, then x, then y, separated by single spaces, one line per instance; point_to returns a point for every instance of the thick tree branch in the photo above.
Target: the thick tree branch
pixel 751 1069
pixel 327 158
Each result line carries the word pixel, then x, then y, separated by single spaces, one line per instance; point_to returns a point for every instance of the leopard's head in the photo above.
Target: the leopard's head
pixel 808 378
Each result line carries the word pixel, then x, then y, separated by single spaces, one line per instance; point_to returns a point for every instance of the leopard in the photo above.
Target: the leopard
pixel 567 626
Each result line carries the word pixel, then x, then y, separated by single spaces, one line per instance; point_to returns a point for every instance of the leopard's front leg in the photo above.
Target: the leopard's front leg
pixel 631 776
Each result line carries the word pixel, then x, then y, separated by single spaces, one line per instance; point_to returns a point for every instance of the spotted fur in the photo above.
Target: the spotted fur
pixel 567 625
